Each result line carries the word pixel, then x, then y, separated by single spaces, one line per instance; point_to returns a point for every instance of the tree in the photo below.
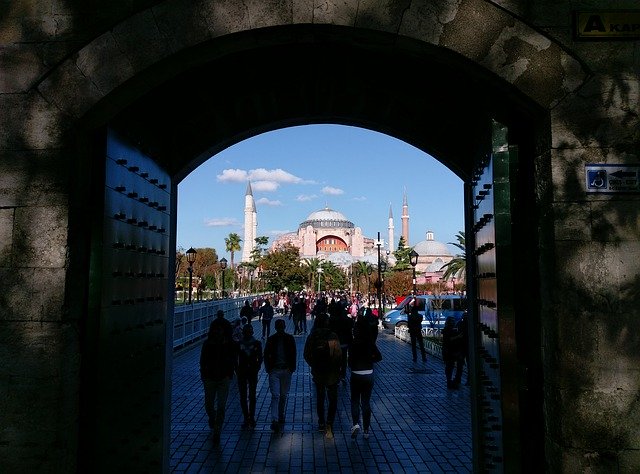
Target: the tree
pixel 457 267
pixel 205 266
pixel 258 250
pixel 310 268
pixel 402 256
pixel 362 269
pixel 281 268
pixel 232 245
pixel 334 278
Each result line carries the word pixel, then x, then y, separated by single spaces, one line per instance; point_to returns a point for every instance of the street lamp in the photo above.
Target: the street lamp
pixel 191 257
pixel 369 272
pixel 413 259
pixel 383 268
pixel 223 265
pixel 319 273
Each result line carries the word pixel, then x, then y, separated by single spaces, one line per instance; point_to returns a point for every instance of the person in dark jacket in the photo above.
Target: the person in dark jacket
pixel 246 311
pixel 249 363
pixel 218 359
pixel 452 352
pixel 363 353
pixel 299 316
pixel 266 315
pixel 342 325
pixel 323 354
pixel 414 321
pixel 280 363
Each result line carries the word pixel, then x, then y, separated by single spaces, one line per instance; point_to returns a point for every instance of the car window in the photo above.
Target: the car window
pixel 446 304
pixel 421 303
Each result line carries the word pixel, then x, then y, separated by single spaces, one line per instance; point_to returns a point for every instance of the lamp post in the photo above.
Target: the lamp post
pixel 223 265
pixel 191 257
pixel 413 259
pixel 319 273
pixel 453 284
pixel 369 272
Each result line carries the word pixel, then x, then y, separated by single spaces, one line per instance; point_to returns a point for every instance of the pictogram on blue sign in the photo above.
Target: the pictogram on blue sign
pixel 596 179
pixel 612 178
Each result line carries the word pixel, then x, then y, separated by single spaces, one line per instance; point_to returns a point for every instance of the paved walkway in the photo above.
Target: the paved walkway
pixel 417 424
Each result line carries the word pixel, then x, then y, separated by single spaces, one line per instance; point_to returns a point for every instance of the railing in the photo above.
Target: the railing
pixel 402 333
pixel 191 322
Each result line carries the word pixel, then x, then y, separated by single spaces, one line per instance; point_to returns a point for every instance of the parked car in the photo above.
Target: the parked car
pixel 434 310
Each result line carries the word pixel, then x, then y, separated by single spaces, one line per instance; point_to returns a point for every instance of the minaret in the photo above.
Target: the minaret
pixel 249 224
pixel 405 219
pixel 391 238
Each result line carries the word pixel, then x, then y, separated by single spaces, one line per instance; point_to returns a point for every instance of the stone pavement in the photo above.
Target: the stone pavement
pixel 417 424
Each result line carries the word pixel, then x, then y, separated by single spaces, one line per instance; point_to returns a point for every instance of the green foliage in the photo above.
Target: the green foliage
pixel 402 256
pixel 259 249
pixel 458 265
pixel 232 245
pixel 281 268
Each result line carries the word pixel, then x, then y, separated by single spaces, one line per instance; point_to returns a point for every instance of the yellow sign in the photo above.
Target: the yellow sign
pixel 607 24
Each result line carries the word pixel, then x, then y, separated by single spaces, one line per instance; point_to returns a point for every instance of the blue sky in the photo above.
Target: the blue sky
pixel 298 170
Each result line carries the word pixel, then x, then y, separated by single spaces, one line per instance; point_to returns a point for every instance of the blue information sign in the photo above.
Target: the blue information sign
pixel 610 179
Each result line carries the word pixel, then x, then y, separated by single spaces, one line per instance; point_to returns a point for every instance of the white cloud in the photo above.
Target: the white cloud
pixel 221 222
pixel 361 198
pixel 332 191
pixel 280 232
pixel 232 175
pixel 277 175
pixel 265 186
pixel 268 202
pixel 305 197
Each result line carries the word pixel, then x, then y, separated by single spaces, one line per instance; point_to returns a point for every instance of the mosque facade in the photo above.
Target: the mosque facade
pixel 327 234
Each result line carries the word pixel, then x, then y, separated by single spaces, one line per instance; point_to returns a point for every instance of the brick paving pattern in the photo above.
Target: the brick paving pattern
pixel 417 424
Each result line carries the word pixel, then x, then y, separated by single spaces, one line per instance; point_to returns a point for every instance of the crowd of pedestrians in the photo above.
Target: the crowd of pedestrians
pixel 343 336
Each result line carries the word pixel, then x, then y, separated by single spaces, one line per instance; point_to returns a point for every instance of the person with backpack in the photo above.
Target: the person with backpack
pixel 249 362
pixel 218 359
pixel 414 322
pixel 266 315
pixel 280 363
pixel 363 353
pixel 323 354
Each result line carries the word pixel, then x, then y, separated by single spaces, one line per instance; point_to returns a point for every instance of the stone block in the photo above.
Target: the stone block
pixel 6 236
pixel 426 21
pixel 35 124
pixel 302 11
pixel 335 13
pixel 35 178
pixel 572 221
pixel 182 22
pixel 616 220
pixel 40 236
pixel 32 294
pixel 141 41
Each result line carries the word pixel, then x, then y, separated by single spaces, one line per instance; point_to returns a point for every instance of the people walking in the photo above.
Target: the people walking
pixel 452 354
pixel 363 353
pixel 415 332
pixel 266 315
pixel 249 363
pixel 323 354
pixel 299 316
pixel 218 359
pixel 280 363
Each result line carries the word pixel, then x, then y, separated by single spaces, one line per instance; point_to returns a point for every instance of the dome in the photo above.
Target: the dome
pixel 327 218
pixel 326 214
pixel 431 247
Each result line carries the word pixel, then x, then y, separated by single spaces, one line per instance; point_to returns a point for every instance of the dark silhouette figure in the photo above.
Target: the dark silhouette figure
pixel 323 354
pixel 266 315
pixel 246 311
pixel 363 353
pixel 415 332
pixel 463 329
pixel 299 316
pixel 218 360
pixel 280 363
pixel 452 352
pixel 341 324
pixel 249 363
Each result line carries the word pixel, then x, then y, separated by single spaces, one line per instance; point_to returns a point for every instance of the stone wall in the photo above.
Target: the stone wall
pixel 67 67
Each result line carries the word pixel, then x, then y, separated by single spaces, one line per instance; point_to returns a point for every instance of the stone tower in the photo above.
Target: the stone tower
pixel 405 218
pixel 250 224
pixel 391 238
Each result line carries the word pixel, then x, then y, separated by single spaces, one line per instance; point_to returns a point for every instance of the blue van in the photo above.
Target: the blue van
pixel 434 310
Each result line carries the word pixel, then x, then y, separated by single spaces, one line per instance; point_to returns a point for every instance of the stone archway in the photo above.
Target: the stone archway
pixel 356 64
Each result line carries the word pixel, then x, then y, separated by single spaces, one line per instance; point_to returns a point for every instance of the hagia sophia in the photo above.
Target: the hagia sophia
pixel 327 234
